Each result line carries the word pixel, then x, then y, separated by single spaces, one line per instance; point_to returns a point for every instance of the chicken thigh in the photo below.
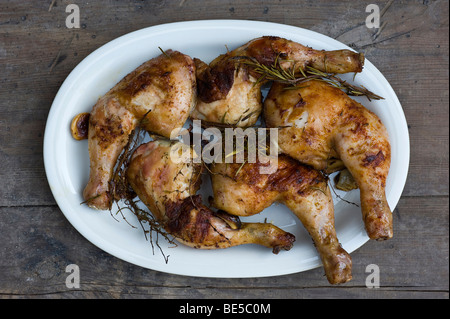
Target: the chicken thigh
pixel 243 191
pixel 166 182
pixel 317 122
pixel 230 91
pixel 158 96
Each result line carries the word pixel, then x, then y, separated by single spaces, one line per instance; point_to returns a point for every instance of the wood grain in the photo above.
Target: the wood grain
pixel 37 52
pixel 43 243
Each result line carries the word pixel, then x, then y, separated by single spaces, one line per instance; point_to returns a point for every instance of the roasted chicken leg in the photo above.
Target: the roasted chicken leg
pixel 318 122
pixel 244 191
pixel 230 91
pixel 166 184
pixel 158 96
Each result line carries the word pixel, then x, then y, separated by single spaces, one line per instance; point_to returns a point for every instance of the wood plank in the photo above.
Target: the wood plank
pixel 39 243
pixel 37 52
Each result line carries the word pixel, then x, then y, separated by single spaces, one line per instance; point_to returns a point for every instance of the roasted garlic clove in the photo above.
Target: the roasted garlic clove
pixel 345 181
pixel 80 126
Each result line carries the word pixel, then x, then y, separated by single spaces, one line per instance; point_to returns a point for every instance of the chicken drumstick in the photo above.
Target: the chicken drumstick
pixel 167 187
pixel 318 122
pixel 230 92
pixel 243 191
pixel 158 96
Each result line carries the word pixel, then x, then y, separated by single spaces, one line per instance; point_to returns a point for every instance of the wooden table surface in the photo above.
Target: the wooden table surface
pixel 38 51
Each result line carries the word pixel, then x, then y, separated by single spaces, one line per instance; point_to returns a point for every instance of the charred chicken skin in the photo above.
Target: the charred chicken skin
pixel 244 191
pixel 318 122
pixel 158 96
pixel 167 187
pixel 229 91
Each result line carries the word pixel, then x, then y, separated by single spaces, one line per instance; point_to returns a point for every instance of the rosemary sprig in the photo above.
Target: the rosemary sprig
pixel 293 76
pixel 269 73
pixel 164 52
pixel 121 191
pixel 337 82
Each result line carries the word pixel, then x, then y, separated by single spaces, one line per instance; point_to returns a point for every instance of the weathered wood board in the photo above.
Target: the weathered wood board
pixel 37 52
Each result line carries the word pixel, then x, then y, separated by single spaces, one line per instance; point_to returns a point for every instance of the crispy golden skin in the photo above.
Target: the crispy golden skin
pixel 229 92
pixel 158 96
pixel 168 189
pixel 318 122
pixel 240 106
pixel 244 191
